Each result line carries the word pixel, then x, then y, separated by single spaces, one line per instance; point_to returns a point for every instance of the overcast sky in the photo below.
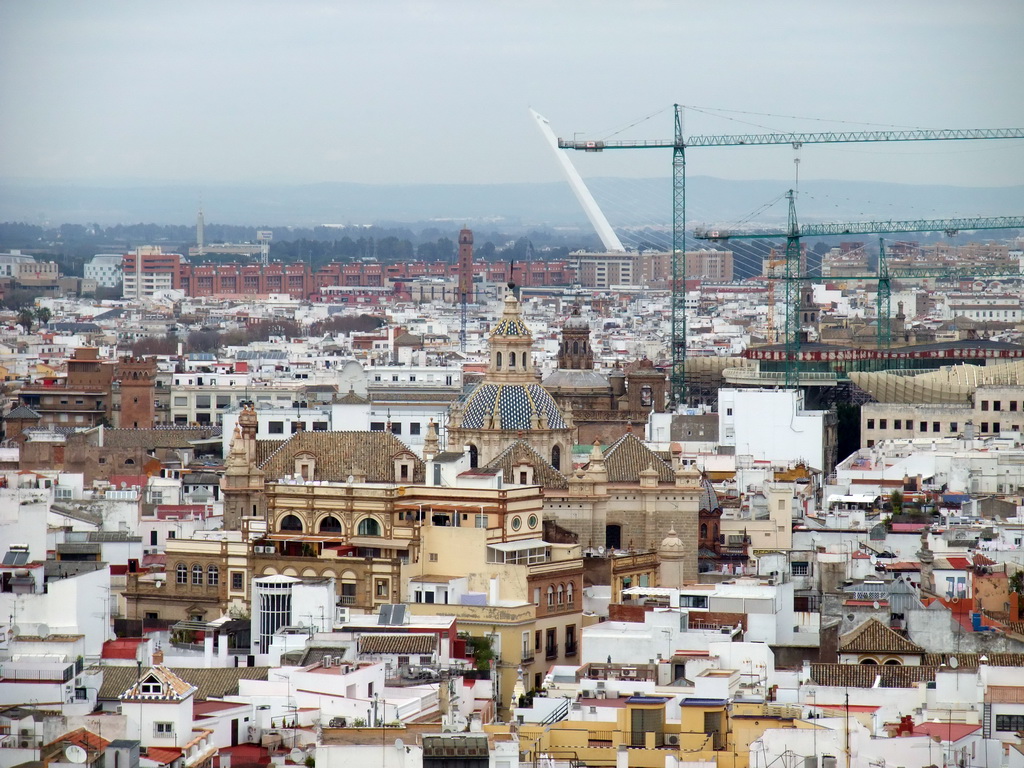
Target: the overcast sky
pixel 437 92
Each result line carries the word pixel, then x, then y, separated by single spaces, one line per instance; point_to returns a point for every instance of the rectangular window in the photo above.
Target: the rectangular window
pixel 936 426
pixel 898 424
pixel 202 401
pixel 432 557
pixel 924 426
pixel 414 428
pixel 871 423
pixel 984 426
pixel 1013 405
pixel 1010 722
pixel 883 423
pixel 237 581
pixel 954 426
pixel 319 426
pixel 376 426
pixel 995 427
pixel 396 429
pixel 481 521
pixel 800 568
pixel 693 601
pixel 275 427
pixel 382 588
pixel 997 405
pixel 984 405
pixel 163 729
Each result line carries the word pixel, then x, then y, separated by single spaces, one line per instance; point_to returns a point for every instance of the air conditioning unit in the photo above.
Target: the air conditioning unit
pixel 327 662
pixel 587 694
pixel 672 739
pixel 602 694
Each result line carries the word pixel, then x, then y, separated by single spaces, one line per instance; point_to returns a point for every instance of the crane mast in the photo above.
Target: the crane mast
pixel 794 277
pixel 678 144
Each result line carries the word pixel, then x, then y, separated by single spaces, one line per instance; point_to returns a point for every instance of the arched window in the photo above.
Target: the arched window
pixel 512 361
pixel 498 358
pixel 291 523
pixel 716 531
pixel 129 462
pixel 369 527
pixel 561 594
pixel 182 571
pixel 551 595
pixel 575 347
pixel 870 662
pixel 330 524
pixel 556 457
pixel 474 457
pixel 213 576
pixel 569 593
pixel 703 530
pixel 197 575
pixel 894 663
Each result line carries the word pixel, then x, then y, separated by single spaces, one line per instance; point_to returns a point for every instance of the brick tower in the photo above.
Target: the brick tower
pixel 466 266
pixel 137 379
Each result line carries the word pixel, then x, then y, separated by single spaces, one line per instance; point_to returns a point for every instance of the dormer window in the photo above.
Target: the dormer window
pixel 151 687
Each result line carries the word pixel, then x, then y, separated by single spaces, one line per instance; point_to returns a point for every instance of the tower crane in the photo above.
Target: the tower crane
pixel 794 232
pixel 679 144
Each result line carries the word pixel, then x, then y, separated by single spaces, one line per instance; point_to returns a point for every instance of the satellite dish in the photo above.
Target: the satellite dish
pixel 75 754
pixel 399 744
pixel 43 630
pixel 875 605
pixel 953 662
pixel 297 755
pixel 600 550
pixel 16 630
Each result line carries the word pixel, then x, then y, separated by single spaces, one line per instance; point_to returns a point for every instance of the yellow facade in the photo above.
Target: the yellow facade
pixel 707 730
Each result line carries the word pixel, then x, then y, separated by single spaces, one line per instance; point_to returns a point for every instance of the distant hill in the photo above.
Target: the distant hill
pixel 626 202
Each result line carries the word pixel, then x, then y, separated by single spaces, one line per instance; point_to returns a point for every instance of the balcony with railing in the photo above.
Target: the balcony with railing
pixel 551 652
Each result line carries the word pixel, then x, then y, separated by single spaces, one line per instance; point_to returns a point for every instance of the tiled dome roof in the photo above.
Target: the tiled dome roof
pixel 513 406
pixel 708 497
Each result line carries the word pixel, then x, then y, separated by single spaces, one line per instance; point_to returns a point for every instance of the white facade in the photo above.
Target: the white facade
pixel 105 269
pixel 773 425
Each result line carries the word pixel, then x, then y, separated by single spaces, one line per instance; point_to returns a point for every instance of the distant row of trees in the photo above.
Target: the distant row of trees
pixel 71 245
pixel 212 340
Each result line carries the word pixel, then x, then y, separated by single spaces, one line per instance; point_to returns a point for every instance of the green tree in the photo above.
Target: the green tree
pixel 896 501
pixel 25 318
pixel 43 315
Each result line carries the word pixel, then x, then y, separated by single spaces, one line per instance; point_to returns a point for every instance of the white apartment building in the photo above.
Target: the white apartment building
pixel 773 425
pixel 105 269
pixel 984 307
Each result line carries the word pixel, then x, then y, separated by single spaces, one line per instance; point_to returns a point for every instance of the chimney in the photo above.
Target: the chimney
pixel 158 657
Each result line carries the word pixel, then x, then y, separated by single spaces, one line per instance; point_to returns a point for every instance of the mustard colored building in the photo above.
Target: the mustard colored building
pixel 717 731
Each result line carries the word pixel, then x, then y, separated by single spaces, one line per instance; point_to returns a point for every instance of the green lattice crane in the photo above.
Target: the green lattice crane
pixel 678 144
pixel 793 278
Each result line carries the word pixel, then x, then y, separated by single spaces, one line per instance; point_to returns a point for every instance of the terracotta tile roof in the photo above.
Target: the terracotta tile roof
pixel 873 636
pixel 627 457
pixel 972 660
pixel 340 454
pixel 864 675
pixel 1017 627
pixel 156 438
pixel 415 642
pixel 521 452
pixel 23 412
pixel 212 683
pixel 84 738
pixel 163 755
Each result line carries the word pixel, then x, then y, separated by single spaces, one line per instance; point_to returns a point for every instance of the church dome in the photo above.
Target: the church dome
pixel 511 322
pixel 510 406
pixel 708 496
